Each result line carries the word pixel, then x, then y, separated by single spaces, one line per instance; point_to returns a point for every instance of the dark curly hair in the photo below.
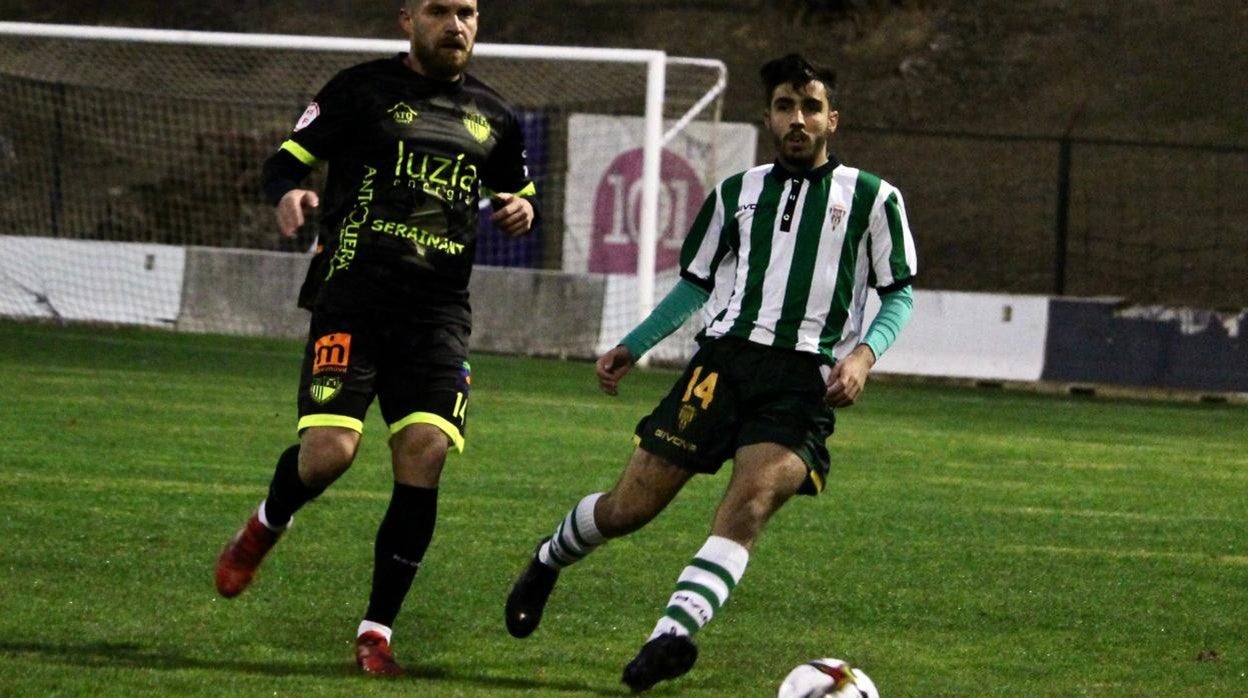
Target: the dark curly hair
pixel 795 70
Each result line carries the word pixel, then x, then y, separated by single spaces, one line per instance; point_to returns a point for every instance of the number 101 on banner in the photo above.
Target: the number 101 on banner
pixel 603 191
pixel 617 212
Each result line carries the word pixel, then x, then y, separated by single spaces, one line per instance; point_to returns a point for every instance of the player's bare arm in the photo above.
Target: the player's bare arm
pixel 849 377
pixel 512 214
pixel 611 368
pixel 290 210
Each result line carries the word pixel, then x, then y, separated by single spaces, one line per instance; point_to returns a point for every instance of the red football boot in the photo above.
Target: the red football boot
pixel 372 653
pixel 236 566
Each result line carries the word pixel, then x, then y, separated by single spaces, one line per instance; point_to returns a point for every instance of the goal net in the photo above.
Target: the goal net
pixel 127 155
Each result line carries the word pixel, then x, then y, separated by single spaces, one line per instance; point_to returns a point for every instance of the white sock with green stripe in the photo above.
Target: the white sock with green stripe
pixel 575 537
pixel 703 587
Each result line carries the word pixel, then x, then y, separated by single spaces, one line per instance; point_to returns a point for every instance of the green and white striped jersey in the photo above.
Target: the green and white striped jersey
pixel 788 257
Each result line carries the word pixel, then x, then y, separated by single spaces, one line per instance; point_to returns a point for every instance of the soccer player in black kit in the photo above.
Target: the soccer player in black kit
pixel 412 144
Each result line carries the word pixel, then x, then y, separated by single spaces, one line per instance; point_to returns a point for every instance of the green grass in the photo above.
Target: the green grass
pixel 971 543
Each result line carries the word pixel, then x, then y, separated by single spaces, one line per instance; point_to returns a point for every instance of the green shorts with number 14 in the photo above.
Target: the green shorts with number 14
pixel 735 393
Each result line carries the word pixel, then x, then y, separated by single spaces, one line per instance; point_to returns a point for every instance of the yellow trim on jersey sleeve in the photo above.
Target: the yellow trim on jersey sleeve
pixel 430 418
pixel 301 154
pixel 529 190
pixel 331 420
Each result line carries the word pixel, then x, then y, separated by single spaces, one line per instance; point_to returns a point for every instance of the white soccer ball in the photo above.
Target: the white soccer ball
pixel 830 678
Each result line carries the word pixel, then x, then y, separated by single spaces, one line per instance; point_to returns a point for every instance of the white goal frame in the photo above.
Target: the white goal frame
pixel 656 73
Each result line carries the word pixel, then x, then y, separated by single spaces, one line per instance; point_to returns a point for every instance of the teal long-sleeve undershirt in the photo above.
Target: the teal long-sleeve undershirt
pixel 678 305
pixel 686 298
pixel 895 310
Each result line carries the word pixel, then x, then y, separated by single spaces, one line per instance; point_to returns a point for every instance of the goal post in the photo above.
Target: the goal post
pixel 155 137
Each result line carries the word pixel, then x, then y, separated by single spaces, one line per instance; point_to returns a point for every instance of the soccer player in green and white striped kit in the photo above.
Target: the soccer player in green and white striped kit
pixel 781 258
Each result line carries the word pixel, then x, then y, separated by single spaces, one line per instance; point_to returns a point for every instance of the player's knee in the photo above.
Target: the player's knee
pixel 418 456
pixel 419 467
pixel 420 444
pixel 325 454
pixel 321 466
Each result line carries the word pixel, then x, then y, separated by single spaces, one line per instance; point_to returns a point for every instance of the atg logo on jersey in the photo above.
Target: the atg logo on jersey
pixel 402 114
pixel 309 115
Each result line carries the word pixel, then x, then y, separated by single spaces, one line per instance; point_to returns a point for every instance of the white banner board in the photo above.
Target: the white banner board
pixel 603 205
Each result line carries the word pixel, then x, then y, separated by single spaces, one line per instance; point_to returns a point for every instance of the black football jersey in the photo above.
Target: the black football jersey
pixel 409 160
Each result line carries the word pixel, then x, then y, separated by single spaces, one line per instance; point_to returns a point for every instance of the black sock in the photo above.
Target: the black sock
pixel 287 493
pixel 402 539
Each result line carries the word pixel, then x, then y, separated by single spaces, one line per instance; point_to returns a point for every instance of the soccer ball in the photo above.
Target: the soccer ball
pixel 828 677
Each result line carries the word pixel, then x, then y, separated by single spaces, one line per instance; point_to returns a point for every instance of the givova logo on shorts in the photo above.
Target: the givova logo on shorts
pixel 331 355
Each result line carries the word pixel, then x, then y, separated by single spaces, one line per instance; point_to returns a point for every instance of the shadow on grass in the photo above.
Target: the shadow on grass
pixel 131 655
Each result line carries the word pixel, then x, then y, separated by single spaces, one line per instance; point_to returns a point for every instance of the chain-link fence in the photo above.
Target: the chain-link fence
pixel 1162 223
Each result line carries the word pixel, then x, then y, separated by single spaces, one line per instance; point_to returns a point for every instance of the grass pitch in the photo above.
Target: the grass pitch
pixel 970 543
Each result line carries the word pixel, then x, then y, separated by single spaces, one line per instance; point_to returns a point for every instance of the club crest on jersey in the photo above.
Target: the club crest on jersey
pixel 837 214
pixel 309 115
pixel 402 114
pixel 478 126
pixel 324 388
pixel 687 413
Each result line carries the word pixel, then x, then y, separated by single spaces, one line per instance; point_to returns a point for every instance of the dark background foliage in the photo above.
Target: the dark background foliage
pixel 1138 69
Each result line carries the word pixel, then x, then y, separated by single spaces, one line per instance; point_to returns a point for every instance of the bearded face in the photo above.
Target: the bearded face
pixel 800 121
pixel 442 35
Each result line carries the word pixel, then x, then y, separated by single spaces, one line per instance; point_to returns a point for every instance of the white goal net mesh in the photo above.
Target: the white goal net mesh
pixel 117 157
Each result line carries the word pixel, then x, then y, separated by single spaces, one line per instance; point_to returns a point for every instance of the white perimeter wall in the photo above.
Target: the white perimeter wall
pixel 86 280
pixel 953 334
pixel 970 335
